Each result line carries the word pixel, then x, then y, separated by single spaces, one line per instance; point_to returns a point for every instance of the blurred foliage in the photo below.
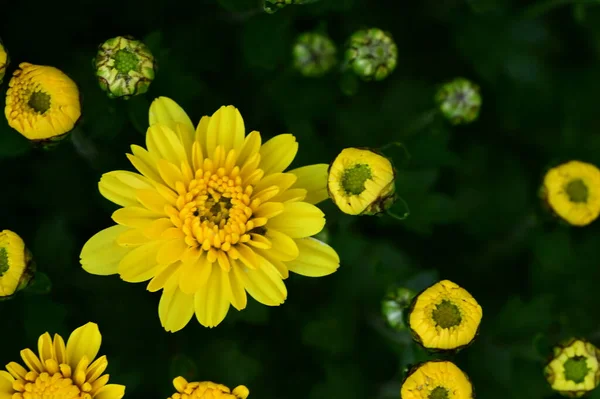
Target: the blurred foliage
pixel 476 218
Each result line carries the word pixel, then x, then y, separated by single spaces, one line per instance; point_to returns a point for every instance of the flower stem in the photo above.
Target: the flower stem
pixel 538 9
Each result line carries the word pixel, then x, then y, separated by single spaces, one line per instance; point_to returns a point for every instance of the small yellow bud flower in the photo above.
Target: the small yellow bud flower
pixel 124 67
pixel 42 103
pixel 206 390
pixel 436 379
pixel 444 317
pixel 361 182
pixel 573 370
pixel 4 61
pixel 572 190
pixel 16 266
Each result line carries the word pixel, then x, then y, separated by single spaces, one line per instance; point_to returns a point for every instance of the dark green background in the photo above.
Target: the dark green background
pixel 473 191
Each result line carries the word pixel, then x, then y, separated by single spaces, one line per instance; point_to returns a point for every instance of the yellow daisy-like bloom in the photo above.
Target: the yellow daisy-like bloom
pixel 444 317
pixel 42 102
pixel 573 192
pixel 3 61
pixel 206 390
pixel 212 216
pixel 61 371
pixel 574 370
pixel 361 182
pixel 15 264
pixel 436 380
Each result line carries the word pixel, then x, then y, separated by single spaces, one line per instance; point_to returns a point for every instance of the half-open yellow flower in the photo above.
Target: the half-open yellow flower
pixel 15 264
pixel 444 317
pixel 573 191
pixel 3 61
pixel 436 380
pixel 61 371
pixel 574 369
pixel 212 215
pixel 206 390
pixel 361 182
pixel 42 103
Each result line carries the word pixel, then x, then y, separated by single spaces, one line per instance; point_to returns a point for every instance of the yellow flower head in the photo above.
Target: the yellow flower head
pixel 573 370
pixel 15 264
pixel 206 390
pixel 212 214
pixel 3 61
pixel 361 182
pixel 61 371
pixel 573 192
pixel 436 380
pixel 42 102
pixel 444 317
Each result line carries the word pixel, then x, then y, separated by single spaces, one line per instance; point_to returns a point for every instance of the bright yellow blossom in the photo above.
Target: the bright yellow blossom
pixel 361 182
pixel 574 370
pixel 444 317
pixel 61 371
pixel 212 214
pixel 42 102
pixel 206 390
pixel 436 380
pixel 573 191
pixel 15 264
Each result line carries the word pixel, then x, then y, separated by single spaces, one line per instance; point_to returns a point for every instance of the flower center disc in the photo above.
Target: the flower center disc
pixel 576 369
pixel 354 178
pixel 447 314
pixel 55 387
pixel 3 261
pixel 439 393
pixel 577 191
pixel 39 102
pixel 125 61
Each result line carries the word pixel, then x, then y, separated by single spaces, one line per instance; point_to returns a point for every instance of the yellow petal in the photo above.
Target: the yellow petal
pixel 278 153
pixel 170 173
pixel 96 369
pixel 84 341
pixel 163 274
pixel 144 162
pixel 31 360
pixel 225 129
pixel 312 178
pixel 132 238
pixel 264 284
pixel 316 258
pixel 279 265
pixel 135 216
pixel 101 255
pixel 268 210
pixel 171 251
pixel 140 264
pixel 60 349
pixel 201 132
pixel 283 247
pixel 45 347
pixel 175 308
pixel 291 195
pixel 250 147
pixel 16 370
pixel 238 292
pixel 298 220
pixel 120 186
pixel 167 112
pixel 110 391
pixel 151 200
pixel 282 180
pixel 6 381
pixel 164 144
pixel 212 302
pixel 241 392
pixel 194 275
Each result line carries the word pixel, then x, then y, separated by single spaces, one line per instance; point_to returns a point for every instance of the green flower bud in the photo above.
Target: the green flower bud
pixel 4 60
pixel 394 306
pixel 124 67
pixel 314 54
pixel 574 368
pixel 459 101
pixel 371 54
pixel 271 6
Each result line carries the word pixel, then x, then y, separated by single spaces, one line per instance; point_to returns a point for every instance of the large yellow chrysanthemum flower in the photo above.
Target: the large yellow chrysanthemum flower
pixel 42 102
pixel 574 369
pixel 212 216
pixel 206 390
pixel 436 380
pixel 61 372
pixel 573 192
pixel 444 317
pixel 361 182
pixel 15 264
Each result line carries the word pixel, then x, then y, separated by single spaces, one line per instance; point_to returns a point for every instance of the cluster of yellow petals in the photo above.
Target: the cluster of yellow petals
pixel 14 263
pixel 60 94
pixel 433 336
pixel 61 371
pixel 206 390
pixel 556 372
pixel 441 377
